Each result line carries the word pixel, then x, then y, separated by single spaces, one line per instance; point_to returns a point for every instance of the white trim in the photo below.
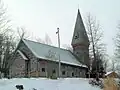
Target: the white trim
pixel 23 56
pixel 109 73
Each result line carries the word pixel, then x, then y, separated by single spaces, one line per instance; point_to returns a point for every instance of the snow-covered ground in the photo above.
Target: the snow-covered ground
pixel 47 84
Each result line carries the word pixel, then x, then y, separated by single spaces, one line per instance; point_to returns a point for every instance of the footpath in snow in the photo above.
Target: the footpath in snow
pixel 47 84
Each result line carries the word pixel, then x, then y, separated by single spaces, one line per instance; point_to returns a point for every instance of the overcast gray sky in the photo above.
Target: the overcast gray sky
pixel 44 16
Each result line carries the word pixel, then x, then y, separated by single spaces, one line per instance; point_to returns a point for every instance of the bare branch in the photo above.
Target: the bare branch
pixel 68 47
pixel 97 50
pixel 6 40
pixel 46 40
pixel 22 33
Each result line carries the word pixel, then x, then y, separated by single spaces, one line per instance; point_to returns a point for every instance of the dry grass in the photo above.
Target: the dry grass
pixel 110 84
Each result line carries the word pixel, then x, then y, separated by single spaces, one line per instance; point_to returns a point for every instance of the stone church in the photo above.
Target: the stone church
pixel 34 59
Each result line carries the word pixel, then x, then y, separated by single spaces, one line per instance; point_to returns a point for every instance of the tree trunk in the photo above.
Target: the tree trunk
pixel 5 75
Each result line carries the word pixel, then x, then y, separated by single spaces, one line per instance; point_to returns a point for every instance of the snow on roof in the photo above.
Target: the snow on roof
pixel 109 73
pixel 23 56
pixel 52 53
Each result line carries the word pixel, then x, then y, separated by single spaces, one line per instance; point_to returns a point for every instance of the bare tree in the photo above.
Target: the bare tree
pixel 116 61
pixel 22 33
pixel 113 65
pixel 46 40
pixel 4 22
pixel 97 48
pixel 105 62
pixel 7 53
pixel 6 41
pixel 40 40
pixel 68 47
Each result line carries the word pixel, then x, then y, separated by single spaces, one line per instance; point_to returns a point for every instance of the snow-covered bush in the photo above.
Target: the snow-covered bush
pixel 53 75
pixel 95 82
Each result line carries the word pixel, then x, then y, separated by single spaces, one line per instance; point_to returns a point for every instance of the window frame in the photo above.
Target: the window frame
pixel 43 69
pixel 63 72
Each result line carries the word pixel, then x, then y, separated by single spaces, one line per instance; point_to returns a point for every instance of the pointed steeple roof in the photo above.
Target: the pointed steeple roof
pixel 80 34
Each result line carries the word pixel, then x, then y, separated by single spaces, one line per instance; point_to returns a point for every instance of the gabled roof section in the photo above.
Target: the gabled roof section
pixel 23 56
pixel 51 53
pixel 80 34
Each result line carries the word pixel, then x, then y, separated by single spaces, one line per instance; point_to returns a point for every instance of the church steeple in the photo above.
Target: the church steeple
pixel 80 42
pixel 80 35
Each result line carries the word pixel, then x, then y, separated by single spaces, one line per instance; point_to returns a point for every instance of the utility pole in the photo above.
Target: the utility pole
pixel 59 53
